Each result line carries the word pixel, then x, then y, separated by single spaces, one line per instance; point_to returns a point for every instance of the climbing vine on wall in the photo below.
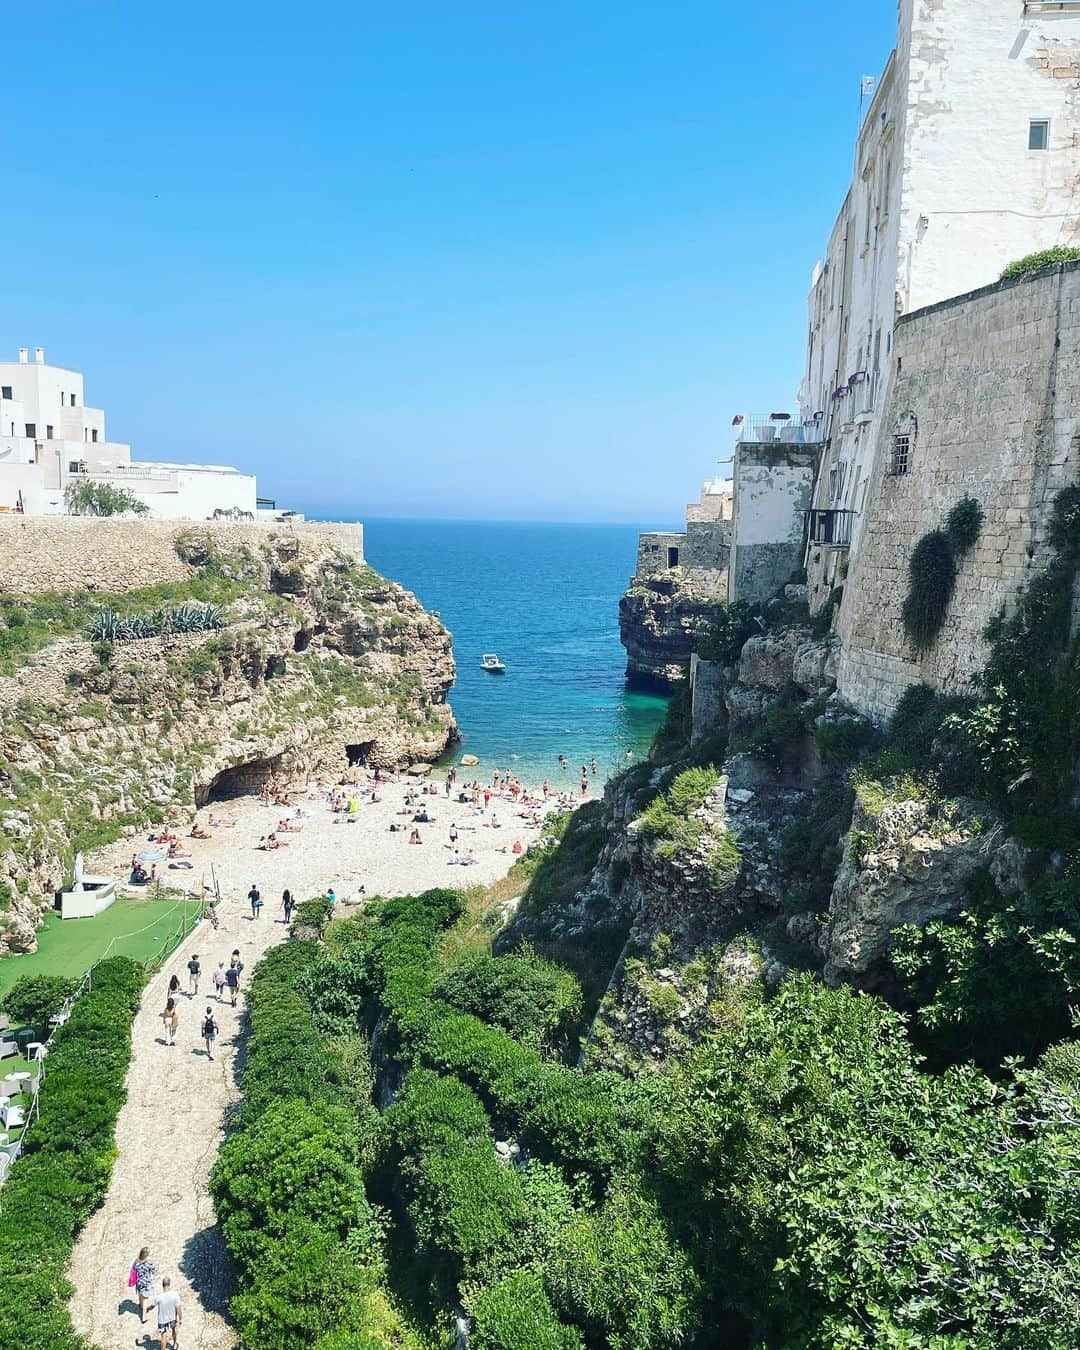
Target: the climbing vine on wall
pixel 932 572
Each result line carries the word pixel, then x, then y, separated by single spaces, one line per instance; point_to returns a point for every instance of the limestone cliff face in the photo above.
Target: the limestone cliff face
pixel 661 618
pixel 318 664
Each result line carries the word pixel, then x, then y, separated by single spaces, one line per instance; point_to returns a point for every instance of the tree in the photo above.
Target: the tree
pixel 99 499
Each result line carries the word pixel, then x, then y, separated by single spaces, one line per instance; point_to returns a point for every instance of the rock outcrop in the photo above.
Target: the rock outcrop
pixel 318 664
pixel 661 619
pixel 907 861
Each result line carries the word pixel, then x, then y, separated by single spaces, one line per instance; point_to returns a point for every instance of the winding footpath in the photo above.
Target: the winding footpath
pixel 167 1137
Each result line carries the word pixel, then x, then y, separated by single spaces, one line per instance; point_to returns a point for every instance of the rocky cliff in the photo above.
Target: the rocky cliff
pixel 269 657
pixel 661 619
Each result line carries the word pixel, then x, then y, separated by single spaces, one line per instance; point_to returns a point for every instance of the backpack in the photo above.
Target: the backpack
pixel 193 966
pixel 208 1029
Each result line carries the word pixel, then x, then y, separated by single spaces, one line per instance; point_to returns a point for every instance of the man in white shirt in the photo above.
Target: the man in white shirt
pixel 169 1314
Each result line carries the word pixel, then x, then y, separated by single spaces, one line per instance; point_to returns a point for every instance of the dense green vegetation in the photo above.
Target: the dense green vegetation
pixel 1035 262
pixel 88 498
pixel 64 1173
pixel 798 1179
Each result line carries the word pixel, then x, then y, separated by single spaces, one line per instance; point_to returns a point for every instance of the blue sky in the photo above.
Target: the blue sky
pixel 513 261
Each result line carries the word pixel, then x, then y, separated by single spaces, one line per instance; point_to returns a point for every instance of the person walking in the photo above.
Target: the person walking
pixel 331 896
pixel 210 1030
pixel 219 979
pixel 174 985
pixel 287 905
pixel 194 970
pixel 232 979
pixel 170 1315
pixel 141 1280
pixel 453 835
pixel 171 1020
pixel 256 900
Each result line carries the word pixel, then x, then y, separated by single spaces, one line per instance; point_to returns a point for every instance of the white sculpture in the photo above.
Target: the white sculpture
pixel 78 872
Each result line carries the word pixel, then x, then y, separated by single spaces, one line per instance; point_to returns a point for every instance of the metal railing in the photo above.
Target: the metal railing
pixel 830 527
pixel 123 471
pixel 766 428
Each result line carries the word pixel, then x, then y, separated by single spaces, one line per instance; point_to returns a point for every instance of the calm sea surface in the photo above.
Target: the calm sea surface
pixel 545 598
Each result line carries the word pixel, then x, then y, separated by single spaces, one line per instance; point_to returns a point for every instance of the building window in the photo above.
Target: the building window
pixel 74 466
pixel 5 392
pixel 48 433
pixel 31 429
pixel 901 453
pixel 72 397
pixel 1038 135
pixel 93 435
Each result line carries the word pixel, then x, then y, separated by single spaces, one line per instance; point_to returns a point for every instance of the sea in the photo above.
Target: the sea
pixel 545 598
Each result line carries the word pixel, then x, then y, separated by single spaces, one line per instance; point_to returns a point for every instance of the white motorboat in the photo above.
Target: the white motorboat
pixel 490 661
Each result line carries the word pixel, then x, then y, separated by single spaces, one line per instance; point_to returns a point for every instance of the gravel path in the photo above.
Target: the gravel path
pixel 170 1128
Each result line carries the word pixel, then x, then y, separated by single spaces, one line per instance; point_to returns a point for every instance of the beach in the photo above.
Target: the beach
pixel 346 850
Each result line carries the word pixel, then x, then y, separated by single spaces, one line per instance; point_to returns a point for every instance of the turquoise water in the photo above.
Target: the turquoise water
pixel 545 597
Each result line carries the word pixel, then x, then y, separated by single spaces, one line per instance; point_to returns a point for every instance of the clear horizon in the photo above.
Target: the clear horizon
pixel 490 265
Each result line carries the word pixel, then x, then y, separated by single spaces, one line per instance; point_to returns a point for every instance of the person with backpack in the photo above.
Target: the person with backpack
pixel 210 1031
pixel 256 900
pixel 194 970
pixel 232 977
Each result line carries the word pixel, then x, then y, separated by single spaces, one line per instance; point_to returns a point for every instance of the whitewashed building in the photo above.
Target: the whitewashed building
pixel 966 160
pixel 49 439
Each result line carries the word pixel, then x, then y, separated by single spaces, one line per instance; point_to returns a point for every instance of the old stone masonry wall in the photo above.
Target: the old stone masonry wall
pixel 987 388
pixel 73 553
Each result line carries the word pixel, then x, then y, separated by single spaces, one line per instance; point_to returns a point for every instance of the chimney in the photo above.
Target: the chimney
pixel 39 355
pixel 24 356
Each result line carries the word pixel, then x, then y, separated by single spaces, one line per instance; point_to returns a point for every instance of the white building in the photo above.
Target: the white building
pixel 966 160
pixel 49 439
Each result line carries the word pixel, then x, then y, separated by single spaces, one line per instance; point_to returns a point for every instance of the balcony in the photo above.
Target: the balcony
pixel 830 528
pixel 763 428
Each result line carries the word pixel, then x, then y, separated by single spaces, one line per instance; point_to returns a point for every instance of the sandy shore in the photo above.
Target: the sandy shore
pixel 346 850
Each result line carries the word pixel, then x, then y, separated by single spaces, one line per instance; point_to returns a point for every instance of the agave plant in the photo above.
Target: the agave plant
pixel 105 626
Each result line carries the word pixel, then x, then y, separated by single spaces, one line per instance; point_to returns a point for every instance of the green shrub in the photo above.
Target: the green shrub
pixel 963 524
pixel 294 1162
pixel 32 999
pixel 1035 262
pixel 621 1247
pixel 844 740
pixel 931 582
pixel 62 1177
pixel 515 1313
pixel 535 1000
pixel 724 639
pixel 312 915
pixel 89 498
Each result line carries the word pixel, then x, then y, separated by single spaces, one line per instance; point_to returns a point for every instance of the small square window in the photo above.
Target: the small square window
pixel 1038 135
pixel 31 430
pixel 5 391
pixel 74 466
pixel 901 454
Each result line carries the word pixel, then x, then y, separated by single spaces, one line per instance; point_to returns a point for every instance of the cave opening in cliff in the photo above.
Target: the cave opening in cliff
pixel 238 781
pixel 302 640
pixel 673 557
pixel 357 753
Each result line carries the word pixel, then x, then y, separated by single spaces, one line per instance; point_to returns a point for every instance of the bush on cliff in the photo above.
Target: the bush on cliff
pixel 33 998
pixel 535 1000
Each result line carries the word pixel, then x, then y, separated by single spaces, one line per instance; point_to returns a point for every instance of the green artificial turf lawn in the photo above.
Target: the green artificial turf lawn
pixel 70 947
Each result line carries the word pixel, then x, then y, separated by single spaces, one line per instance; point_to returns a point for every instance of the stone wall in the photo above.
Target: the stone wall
pixel 988 385
pixel 74 553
